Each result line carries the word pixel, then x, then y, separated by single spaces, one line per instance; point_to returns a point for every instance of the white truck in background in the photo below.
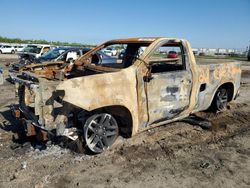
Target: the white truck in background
pixel 35 50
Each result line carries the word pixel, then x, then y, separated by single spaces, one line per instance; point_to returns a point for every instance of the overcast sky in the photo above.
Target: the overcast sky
pixel 205 23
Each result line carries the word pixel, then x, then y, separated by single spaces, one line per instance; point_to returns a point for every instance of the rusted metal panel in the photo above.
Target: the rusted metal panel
pixel 30 129
pixel 214 75
pixel 96 91
pixel 168 95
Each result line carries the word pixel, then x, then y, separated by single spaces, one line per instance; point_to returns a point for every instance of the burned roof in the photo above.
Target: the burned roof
pixel 135 40
pixel 145 40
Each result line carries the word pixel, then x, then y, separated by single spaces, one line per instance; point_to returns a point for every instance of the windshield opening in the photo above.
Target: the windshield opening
pixel 119 55
pixel 53 54
pixel 32 49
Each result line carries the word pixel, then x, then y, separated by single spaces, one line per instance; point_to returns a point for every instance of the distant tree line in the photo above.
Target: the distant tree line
pixel 55 43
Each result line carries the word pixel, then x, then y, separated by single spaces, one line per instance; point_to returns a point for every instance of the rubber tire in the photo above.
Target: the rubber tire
pixel 1 52
pixel 13 51
pixel 215 104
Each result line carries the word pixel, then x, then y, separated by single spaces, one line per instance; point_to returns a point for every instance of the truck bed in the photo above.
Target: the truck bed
pixel 205 61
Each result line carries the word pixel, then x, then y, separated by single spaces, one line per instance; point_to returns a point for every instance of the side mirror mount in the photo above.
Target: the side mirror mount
pixel 147 78
pixel 148 75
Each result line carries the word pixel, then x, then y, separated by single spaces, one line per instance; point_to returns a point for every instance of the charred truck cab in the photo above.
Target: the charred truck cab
pixel 157 81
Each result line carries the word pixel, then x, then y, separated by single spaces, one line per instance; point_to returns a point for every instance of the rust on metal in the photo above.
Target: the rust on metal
pixel 30 131
pixel 17 113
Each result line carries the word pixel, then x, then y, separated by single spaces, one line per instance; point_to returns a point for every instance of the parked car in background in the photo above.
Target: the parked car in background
pixel 65 54
pixel 62 54
pixel 110 51
pixel 34 51
pixel 121 54
pixel 172 54
pixel 58 57
pixel 4 49
pixel 101 58
pixel 107 52
pixel 19 48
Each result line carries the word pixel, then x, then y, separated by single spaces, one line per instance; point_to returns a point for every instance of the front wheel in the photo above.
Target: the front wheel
pixel 100 132
pixel 220 99
pixel 12 51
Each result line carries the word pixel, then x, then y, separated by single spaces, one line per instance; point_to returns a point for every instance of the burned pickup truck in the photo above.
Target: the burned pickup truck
pixel 148 87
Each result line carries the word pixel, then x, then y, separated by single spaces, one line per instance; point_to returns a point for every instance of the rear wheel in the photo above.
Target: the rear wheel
pixel 13 51
pixel 100 132
pixel 1 52
pixel 220 99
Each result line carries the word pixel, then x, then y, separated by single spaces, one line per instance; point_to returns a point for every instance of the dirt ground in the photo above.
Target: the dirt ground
pixel 174 155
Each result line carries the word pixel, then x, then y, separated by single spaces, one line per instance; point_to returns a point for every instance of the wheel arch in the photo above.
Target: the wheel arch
pixel 122 115
pixel 229 86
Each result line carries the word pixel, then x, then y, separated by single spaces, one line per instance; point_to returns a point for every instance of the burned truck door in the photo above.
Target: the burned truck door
pixel 169 83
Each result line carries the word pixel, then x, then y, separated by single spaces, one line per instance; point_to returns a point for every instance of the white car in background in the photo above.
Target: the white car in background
pixel 110 51
pixel 19 48
pixel 7 49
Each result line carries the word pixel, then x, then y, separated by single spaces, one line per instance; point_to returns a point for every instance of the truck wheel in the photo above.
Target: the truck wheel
pixel 100 132
pixel 0 52
pixel 13 51
pixel 220 99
